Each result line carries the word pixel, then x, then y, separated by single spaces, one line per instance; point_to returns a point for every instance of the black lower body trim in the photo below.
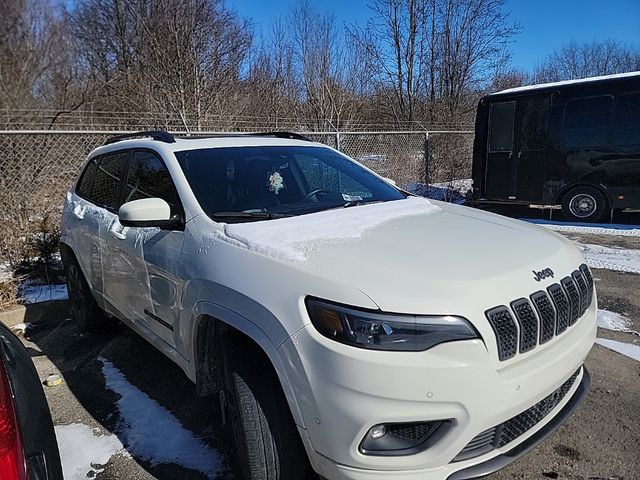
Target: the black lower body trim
pixel 158 319
pixel 493 465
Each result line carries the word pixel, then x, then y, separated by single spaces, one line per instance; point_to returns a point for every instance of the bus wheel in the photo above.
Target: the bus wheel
pixel 584 204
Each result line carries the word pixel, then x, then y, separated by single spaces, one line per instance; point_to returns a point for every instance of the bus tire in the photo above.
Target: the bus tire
pixel 584 204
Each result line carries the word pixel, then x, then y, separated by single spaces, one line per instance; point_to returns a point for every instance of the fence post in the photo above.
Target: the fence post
pixel 338 141
pixel 426 158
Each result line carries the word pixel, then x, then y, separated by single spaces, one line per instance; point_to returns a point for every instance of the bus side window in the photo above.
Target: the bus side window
pixel 586 122
pixel 501 118
pixel 626 120
pixel 534 123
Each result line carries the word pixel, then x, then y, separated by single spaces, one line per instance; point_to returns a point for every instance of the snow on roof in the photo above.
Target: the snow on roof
pixel 566 82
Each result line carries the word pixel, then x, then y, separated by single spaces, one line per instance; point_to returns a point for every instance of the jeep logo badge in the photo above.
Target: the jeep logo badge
pixel 547 272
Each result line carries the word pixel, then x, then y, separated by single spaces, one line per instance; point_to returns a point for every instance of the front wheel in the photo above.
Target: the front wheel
pixel 266 440
pixel 584 204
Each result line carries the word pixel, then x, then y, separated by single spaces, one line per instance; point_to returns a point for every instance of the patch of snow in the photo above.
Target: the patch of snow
pixel 611 258
pixel 21 327
pixel 5 272
pixel 42 293
pixel 614 321
pixel 82 451
pixel 462 185
pixel 79 211
pixel 617 230
pixel 144 234
pixel 151 432
pixel 568 82
pixel 628 349
pixel 294 239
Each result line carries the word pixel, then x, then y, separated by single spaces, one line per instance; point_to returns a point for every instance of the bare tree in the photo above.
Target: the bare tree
pixel 181 57
pixel 474 35
pixel 33 59
pixel 581 60
pixel 326 69
pixel 393 43
pixel 433 53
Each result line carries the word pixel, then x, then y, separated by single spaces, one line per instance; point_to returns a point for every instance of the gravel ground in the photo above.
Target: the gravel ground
pixel 601 440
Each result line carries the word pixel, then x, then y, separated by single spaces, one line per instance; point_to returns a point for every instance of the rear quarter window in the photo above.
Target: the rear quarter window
pixel 83 188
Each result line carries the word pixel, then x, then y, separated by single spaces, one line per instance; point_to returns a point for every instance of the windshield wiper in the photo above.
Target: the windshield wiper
pixel 250 215
pixel 355 203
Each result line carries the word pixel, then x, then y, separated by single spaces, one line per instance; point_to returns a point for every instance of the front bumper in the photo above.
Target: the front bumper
pixel 502 460
pixel 343 391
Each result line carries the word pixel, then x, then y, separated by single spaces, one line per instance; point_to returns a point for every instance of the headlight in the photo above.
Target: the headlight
pixel 386 331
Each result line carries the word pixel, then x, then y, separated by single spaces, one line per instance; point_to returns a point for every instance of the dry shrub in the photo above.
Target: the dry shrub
pixel 450 157
pixel 9 293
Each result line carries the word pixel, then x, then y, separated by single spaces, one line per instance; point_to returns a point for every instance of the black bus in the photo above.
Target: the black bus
pixel 574 144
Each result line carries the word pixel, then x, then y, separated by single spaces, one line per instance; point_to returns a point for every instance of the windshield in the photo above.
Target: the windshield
pixel 235 184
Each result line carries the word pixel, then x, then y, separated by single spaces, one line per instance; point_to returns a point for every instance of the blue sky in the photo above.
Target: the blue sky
pixel 546 24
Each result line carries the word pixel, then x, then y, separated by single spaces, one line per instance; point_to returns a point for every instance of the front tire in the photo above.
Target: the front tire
pixel 85 311
pixel 584 204
pixel 266 440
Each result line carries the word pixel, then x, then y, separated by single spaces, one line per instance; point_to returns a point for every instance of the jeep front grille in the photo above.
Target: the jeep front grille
pixel 507 432
pixel 534 321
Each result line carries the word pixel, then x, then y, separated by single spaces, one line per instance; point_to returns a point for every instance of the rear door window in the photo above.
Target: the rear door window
pixel 626 120
pixel 586 122
pixel 105 190
pixel 149 178
pixel 501 118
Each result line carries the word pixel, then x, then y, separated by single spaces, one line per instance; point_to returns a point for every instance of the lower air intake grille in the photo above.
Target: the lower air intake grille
pixel 507 432
pixel 411 431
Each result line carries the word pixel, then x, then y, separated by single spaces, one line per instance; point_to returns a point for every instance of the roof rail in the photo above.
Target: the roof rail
pixel 159 135
pixel 289 135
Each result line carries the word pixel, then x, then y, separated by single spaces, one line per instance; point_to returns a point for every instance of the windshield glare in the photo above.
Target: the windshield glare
pixel 282 180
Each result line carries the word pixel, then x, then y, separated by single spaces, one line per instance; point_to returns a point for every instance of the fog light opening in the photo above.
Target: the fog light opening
pixel 394 439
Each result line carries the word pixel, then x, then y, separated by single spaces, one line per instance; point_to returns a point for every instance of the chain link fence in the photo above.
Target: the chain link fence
pixel 37 168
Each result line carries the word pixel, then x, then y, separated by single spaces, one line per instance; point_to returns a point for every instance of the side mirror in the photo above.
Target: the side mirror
pixel 147 212
pixel 390 180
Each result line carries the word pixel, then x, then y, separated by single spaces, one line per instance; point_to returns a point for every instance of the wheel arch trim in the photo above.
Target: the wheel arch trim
pixel 208 311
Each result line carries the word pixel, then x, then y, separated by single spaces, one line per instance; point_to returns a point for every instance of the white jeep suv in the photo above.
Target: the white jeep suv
pixel 346 326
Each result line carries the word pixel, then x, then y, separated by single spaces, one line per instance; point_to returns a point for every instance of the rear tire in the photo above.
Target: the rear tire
pixel 266 439
pixel 584 204
pixel 84 308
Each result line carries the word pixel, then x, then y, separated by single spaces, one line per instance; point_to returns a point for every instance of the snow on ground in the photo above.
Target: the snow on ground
pixel 614 321
pixel 151 432
pixel 42 293
pixel 588 229
pixel 82 451
pixel 5 272
pixel 292 239
pixel 628 349
pixel 462 185
pixel 611 258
